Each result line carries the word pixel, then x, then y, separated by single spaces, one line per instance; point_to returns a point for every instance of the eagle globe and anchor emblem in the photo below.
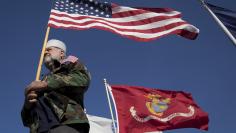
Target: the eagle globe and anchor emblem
pixel 157 105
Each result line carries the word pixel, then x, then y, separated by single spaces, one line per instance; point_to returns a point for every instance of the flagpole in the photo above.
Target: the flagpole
pixel 109 102
pixel 219 22
pixel 42 54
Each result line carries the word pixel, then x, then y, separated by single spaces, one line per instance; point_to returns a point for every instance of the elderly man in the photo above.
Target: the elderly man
pixel 55 104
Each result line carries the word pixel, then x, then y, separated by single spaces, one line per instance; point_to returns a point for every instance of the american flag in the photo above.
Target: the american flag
pixel 141 24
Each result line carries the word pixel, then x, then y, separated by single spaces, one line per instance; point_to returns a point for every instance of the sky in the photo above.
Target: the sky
pixel 205 67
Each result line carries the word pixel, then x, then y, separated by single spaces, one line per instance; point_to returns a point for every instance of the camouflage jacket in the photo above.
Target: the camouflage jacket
pixel 65 93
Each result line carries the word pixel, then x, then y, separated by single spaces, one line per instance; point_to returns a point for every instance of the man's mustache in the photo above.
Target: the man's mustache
pixel 47 54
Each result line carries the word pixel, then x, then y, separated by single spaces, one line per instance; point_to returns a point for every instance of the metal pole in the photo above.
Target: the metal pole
pixel 109 102
pixel 219 22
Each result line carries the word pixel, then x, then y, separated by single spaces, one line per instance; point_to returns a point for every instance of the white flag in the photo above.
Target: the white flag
pixel 103 125
pixel 100 124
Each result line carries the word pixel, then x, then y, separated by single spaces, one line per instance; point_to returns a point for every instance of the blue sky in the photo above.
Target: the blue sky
pixel 205 67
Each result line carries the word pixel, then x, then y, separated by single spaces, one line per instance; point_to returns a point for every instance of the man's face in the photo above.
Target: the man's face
pixel 51 55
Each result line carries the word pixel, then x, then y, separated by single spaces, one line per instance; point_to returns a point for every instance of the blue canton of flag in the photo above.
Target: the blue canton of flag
pixel 141 24
pixel 84 7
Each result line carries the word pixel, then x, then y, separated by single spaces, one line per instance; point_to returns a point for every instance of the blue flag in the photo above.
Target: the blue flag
pixel 227 17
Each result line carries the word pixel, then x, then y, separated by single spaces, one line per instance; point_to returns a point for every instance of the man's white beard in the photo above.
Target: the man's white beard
pixel 49 62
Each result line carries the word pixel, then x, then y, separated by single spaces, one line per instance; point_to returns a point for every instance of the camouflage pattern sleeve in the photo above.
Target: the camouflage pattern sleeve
pixel 74 75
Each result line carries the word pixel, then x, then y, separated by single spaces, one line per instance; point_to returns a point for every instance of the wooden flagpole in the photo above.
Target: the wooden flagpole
pixel 42 54
pixel 219 22
pixel 109 102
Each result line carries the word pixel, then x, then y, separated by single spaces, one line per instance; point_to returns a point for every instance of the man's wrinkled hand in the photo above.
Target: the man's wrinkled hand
pixel 31 92
pixel 30 99
pixel 36 86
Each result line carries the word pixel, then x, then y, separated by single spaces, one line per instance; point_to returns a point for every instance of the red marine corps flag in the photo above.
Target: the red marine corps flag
pixel 142 110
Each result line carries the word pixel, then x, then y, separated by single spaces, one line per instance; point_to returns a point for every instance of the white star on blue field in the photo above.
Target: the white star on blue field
pixel 83 7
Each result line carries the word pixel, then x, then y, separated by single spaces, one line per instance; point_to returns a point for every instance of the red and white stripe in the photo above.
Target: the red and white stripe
pixel 139 24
